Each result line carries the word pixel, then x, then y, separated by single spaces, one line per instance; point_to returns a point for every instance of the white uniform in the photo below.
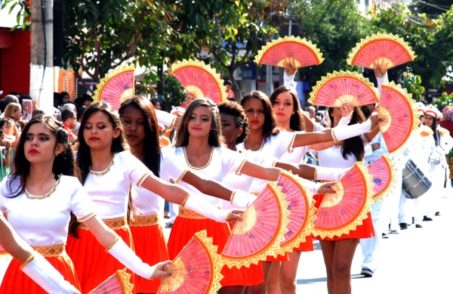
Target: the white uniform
pixel 45 221
pixel 109 191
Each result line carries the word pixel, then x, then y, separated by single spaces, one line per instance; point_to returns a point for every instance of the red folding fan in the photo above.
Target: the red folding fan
pixel 289 50
pixel 118 283
pixel 338 88
pixel 116 86
pixel 260 232
pixel 200 80
pixel 196 269
pixel 300 214
pixel 396 105
pixel 341 212
pixel 384 50
pixel 381 173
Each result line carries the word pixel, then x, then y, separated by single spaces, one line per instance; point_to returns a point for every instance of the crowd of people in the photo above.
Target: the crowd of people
pixel 86 186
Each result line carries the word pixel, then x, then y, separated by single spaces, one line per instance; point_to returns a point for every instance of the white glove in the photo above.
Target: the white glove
pixel 346 132
pixel 199 205
pixel 381 80
pixel 329 173
pixel 241 199
pixel 46 276
pixel 309 186
pixel 128 258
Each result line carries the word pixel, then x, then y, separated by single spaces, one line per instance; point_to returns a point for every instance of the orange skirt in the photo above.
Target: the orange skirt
pixel 93 264
pixel 149 243
pixel 15 281
pixel 184 228
pixel 365 230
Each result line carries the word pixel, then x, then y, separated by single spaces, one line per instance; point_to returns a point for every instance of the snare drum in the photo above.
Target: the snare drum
pixel 415 183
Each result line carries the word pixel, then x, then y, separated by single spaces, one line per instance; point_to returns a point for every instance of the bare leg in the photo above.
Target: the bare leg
pixel 288 273
pixel 343 255
pixel 328 248
pixel 273 278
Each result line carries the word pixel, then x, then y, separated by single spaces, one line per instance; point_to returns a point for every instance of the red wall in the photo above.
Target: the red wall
pixel 14 61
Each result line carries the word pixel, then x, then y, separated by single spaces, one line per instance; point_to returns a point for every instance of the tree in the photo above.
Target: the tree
pixel 429 39
pixel 432 8
pixel 335 26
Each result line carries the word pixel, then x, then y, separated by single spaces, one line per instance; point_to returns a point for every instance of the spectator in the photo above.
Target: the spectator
pixel 69 119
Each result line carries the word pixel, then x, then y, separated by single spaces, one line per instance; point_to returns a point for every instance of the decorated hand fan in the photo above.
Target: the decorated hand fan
pixel 396 105
pixel 381 173
pixel 200 80
pixel 341 212
pixel 342 87
pixel 300 214
pixel 289 51
pixel 196 269
pixel 383 50
pixel 260 232
pixel 118 283
pixel 116 86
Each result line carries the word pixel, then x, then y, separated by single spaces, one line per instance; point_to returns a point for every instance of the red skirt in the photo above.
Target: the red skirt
pixel 183 230
pixel 149 243
pixel 307 245
pixel 92 262
pixel 362 231
pixel 15 281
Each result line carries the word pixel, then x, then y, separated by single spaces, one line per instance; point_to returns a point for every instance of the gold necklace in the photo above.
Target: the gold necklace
pixel 42 196
pixel 102 172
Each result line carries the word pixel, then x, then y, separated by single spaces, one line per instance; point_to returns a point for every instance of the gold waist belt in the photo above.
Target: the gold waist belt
pixel 187 213
pixel 113 223
pixel 53 250
pixel 144 220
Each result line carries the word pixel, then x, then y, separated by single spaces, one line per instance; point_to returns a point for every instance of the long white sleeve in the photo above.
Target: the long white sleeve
pixel 329 173
pixel 46 276
pixel 345 132
pixel 199 205
pixel 128 258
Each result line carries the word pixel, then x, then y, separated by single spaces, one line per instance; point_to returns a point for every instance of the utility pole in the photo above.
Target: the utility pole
pixel 41 68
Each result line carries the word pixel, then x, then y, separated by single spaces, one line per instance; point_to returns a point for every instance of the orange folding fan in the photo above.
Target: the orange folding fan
pixel 196 269
pixel 200 80
pixel 381 173
pixel 338 88
pixel 260 232
pixel 116 86
pixel 118 283
pixel 300 214
pixel 384 50
pixel 396 105
pixel 289 50
pixel 341 212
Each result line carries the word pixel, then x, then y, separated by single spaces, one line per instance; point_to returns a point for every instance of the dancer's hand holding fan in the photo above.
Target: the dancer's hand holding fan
pixel 341 212
pixel 339 88
pixel 381 52
pixel 397 107
pixel 260 232
pixel 116 86
pixel 196 269
pixel 199 80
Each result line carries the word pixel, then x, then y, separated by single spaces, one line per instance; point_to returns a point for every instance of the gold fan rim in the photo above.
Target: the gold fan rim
pixel 303 41
pixel 340 74
pixel 338 232
pixel 109 76
pixel 302 235
pixel 178 65
pixel 407 97
pixel 273 249
pixel 377 37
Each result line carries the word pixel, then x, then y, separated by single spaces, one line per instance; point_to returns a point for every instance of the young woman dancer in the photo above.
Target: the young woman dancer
pixel 141 132
pixel 32 263
pixel 38 198
pixel 339 252
pixel 107 172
